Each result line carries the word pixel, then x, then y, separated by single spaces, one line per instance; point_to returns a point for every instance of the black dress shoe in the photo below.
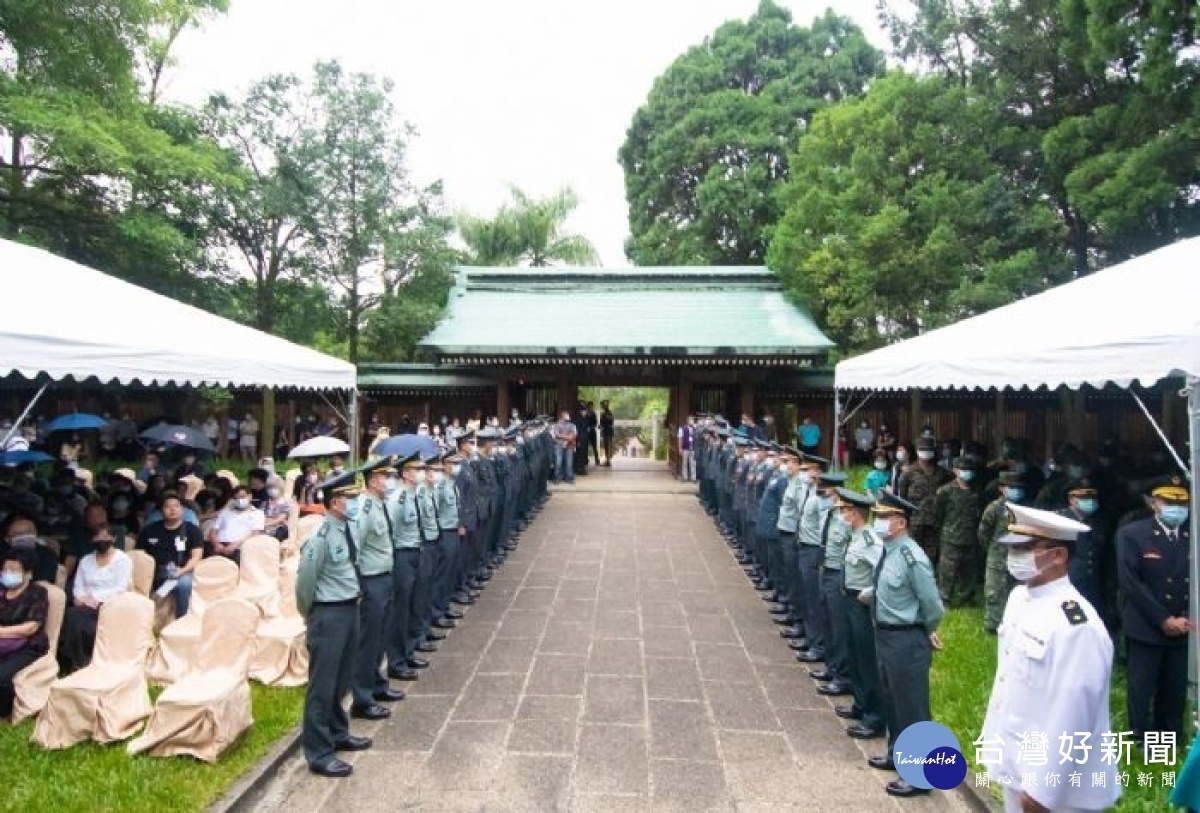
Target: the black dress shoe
pixel 882 763
pixel 417 663
pixel 453 615
pixel 783 620
pixel 427 646
pixel 835 688
pixel 371 712
pixel 353 743
pixel 898 787
pixel 810 656
pixel 446 623
pixel 848 712
pixel 332 767
pixel 402 674
pixel 462 601
pixel 779 609
pixel 823 674
pixel 388 695
pixel 795 645
pixel 862 732
pixel 435 635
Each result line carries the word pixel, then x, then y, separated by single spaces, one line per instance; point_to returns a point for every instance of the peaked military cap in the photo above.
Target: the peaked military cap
pixel 384 465
pixel 349 484
pixel 1083 488
pixel 741 440
pixel 968 463
pixel 1171 489
pixel 452 458
pixel 852 499
pixel 466 437
pixel 433 461
pixel 809 460
pixel 488 433
pixel 413 461
pixel 889 504
pixel 832 479
pixel 790 451
pixel 1027 524
pixel 926 445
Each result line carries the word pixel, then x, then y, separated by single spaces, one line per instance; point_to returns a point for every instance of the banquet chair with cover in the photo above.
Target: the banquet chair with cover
pixel 32 684
pixel 108 699
pixel 280 646
pixel 204 712
pixel 212 580
pixel 258 573
pixel 143 571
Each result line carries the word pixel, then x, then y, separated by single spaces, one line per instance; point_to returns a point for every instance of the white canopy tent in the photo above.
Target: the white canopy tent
pixel 1138 321
pixel 69 321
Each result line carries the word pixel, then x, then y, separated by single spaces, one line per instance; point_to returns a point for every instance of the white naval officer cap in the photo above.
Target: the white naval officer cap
pixel 1027 524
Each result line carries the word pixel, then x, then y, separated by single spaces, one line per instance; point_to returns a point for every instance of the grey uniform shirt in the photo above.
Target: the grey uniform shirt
pixel 811 517
pixel 862 554
pixel 405 531
pixel 789 509
pixel 326 571
pixel 835 537
pixel 373 536
pixel 445 495
pixel 427 513
pixel 905 589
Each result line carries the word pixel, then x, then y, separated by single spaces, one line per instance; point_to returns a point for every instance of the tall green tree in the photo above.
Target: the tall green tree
pixel 899 217
pixel 703 156
pixel 528 231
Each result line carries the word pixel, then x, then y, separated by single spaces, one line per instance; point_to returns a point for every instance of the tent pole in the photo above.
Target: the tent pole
pixel 352 424
pixel 16 427
pixel 1193 403
pixel 835 460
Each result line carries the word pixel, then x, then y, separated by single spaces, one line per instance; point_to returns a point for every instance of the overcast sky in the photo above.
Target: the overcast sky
pixel 537 93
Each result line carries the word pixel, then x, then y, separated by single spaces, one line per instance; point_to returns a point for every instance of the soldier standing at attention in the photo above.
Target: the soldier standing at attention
pixel 406 564
pixel 835 535
pixel 1090 562
pixel 451 537
pixel 808 562
pixel 993 524
pixel 956 516
pixel 327 593
pixel 907 612
pixel 1153 565
pixel 1053 669
pixel 862 554
pixel 918 486
pixel 467 486
pixel 373 530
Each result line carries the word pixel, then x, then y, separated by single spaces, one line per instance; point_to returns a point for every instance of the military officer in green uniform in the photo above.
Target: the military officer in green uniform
pixel 373 532
pixel 956 514
pixel 788 525
pixel 862 552
pixel 406 564
pixel 327 594
pixel 993 525
pixel 835 536
pixel 907 611
pixel 918 484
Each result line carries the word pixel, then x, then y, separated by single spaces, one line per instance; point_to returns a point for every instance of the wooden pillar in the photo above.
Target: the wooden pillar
pixel 566 392
pixel 914 416
pixel 746 389
pixel 998 423
pixel 502 399
pixel 267 425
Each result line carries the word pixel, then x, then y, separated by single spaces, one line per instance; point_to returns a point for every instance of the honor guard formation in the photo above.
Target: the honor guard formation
pixel 405 542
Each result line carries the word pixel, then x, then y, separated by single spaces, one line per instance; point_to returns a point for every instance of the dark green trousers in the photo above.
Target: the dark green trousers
pixel 864 670
pixel 904 659
pixel 332 643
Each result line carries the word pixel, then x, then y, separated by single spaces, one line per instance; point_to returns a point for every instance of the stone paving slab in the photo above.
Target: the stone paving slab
pixel 619 661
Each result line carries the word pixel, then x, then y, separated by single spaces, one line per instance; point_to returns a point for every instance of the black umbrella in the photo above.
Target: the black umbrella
pixel 178 435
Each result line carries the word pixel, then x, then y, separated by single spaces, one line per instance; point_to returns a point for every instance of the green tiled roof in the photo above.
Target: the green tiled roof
pixel 644 311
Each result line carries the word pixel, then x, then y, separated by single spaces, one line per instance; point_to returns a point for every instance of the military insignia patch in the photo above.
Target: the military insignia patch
pixel 908 557
pixel 1074 612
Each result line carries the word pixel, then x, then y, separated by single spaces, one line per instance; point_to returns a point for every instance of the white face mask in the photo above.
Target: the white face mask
pixel 881 464
pixel 241 503
pixel 925 455
pixel 882 527
pixel 391 485
pixel 454 470
pixel 274 493
pixel 438 477
pixel 901 456
pixel 1022 565
pixel 805 476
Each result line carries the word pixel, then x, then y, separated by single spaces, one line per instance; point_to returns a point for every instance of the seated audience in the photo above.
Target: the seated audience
pixel 237 522
pixel 24 607
pixel 177 547
pixel 101 575
pixel 22 533
pixel 277 509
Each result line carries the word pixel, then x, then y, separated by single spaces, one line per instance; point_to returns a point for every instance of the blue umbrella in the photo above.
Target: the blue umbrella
pixel 407 445
pixel 75 421
pixel 23 456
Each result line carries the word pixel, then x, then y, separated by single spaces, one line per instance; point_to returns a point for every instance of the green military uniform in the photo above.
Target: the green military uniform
pixel 918 485
pixel 374 534
pixel 956 515
pixel 327 592
pixel 907 610
pixel 993 524
pixel 862 554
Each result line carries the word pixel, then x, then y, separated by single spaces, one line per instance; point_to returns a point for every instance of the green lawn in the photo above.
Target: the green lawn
pixel 961 682
pixel 90 778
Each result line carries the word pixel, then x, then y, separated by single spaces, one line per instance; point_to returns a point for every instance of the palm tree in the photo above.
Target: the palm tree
pixel 528 231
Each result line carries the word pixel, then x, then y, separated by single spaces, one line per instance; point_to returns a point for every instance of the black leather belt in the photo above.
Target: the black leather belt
pixel 350 602
pixel 852 593
pixel 897 627
pixel 828 569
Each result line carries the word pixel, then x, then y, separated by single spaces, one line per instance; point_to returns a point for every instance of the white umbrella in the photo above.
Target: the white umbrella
pixel 321 446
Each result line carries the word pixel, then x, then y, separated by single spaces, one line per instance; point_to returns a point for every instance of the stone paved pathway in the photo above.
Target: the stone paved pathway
pixel 620 661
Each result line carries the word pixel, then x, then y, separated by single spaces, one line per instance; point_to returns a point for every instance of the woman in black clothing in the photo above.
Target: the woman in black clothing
pixel 24 607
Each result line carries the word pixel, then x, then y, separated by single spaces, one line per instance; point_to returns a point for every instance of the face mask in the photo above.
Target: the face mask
pixel 11 581
pixel 805 477
pixel 1075 472
pixel 880 464
pixel 901 456
pixel 391 485
pixel 1174 515
pixel 883 527
pixel 454 470
pixel 26 541
pixel 104 546
pixel 438 477
pixel 826 503
pixel 120 505
pixel 1022 565
pixel 1014 494
pixel 1088 507
pixel 241 503
pixel 966 475
pixel 273 493
pixel 925 455
pixel 351 509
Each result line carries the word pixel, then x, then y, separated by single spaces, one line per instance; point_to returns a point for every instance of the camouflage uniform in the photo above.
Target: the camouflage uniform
pixel 918 485
pixel 956 515
pixel 997 583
